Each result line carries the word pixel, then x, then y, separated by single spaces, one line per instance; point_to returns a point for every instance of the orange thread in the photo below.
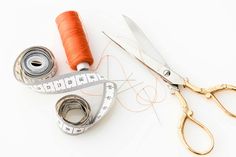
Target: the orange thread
pixel 73 39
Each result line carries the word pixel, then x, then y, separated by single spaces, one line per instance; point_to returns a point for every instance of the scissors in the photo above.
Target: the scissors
pixel 174 81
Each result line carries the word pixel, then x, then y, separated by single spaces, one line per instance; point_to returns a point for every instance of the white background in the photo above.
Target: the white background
pixel 197 38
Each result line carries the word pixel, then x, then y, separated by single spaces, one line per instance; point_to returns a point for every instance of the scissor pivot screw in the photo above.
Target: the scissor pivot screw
pixel 166 73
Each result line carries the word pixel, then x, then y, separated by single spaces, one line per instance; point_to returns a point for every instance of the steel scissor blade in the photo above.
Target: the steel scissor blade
pixel 144 43
pixel 165 72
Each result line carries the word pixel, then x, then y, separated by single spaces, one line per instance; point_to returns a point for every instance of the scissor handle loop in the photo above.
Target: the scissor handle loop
pixel 210 93
pixel 188 115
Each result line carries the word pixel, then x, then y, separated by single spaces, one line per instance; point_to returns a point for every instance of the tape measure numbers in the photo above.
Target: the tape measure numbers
pixel 36 67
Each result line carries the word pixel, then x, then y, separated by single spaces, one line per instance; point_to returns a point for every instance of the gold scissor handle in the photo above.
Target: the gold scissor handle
pixel 210 93
pixel 188 115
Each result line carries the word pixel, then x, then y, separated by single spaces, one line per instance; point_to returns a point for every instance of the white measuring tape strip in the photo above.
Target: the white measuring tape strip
pixel 36 68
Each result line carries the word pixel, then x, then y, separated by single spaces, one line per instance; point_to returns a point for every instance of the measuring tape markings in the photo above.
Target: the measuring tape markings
pixel 107 101
pixel 40 78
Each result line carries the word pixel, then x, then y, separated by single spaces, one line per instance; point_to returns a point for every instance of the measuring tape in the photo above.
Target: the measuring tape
pixel 36 67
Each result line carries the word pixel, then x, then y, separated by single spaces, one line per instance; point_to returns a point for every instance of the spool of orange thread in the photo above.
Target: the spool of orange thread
pixel 74 40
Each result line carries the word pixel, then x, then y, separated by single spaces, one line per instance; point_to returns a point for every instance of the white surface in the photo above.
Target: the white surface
pixel 197 38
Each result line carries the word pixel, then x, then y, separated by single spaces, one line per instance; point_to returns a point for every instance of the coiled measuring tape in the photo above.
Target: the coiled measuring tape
pixel 36 67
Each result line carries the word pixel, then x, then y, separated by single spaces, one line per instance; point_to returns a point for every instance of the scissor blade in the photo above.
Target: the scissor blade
pixel 144 43
pixel 162 70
